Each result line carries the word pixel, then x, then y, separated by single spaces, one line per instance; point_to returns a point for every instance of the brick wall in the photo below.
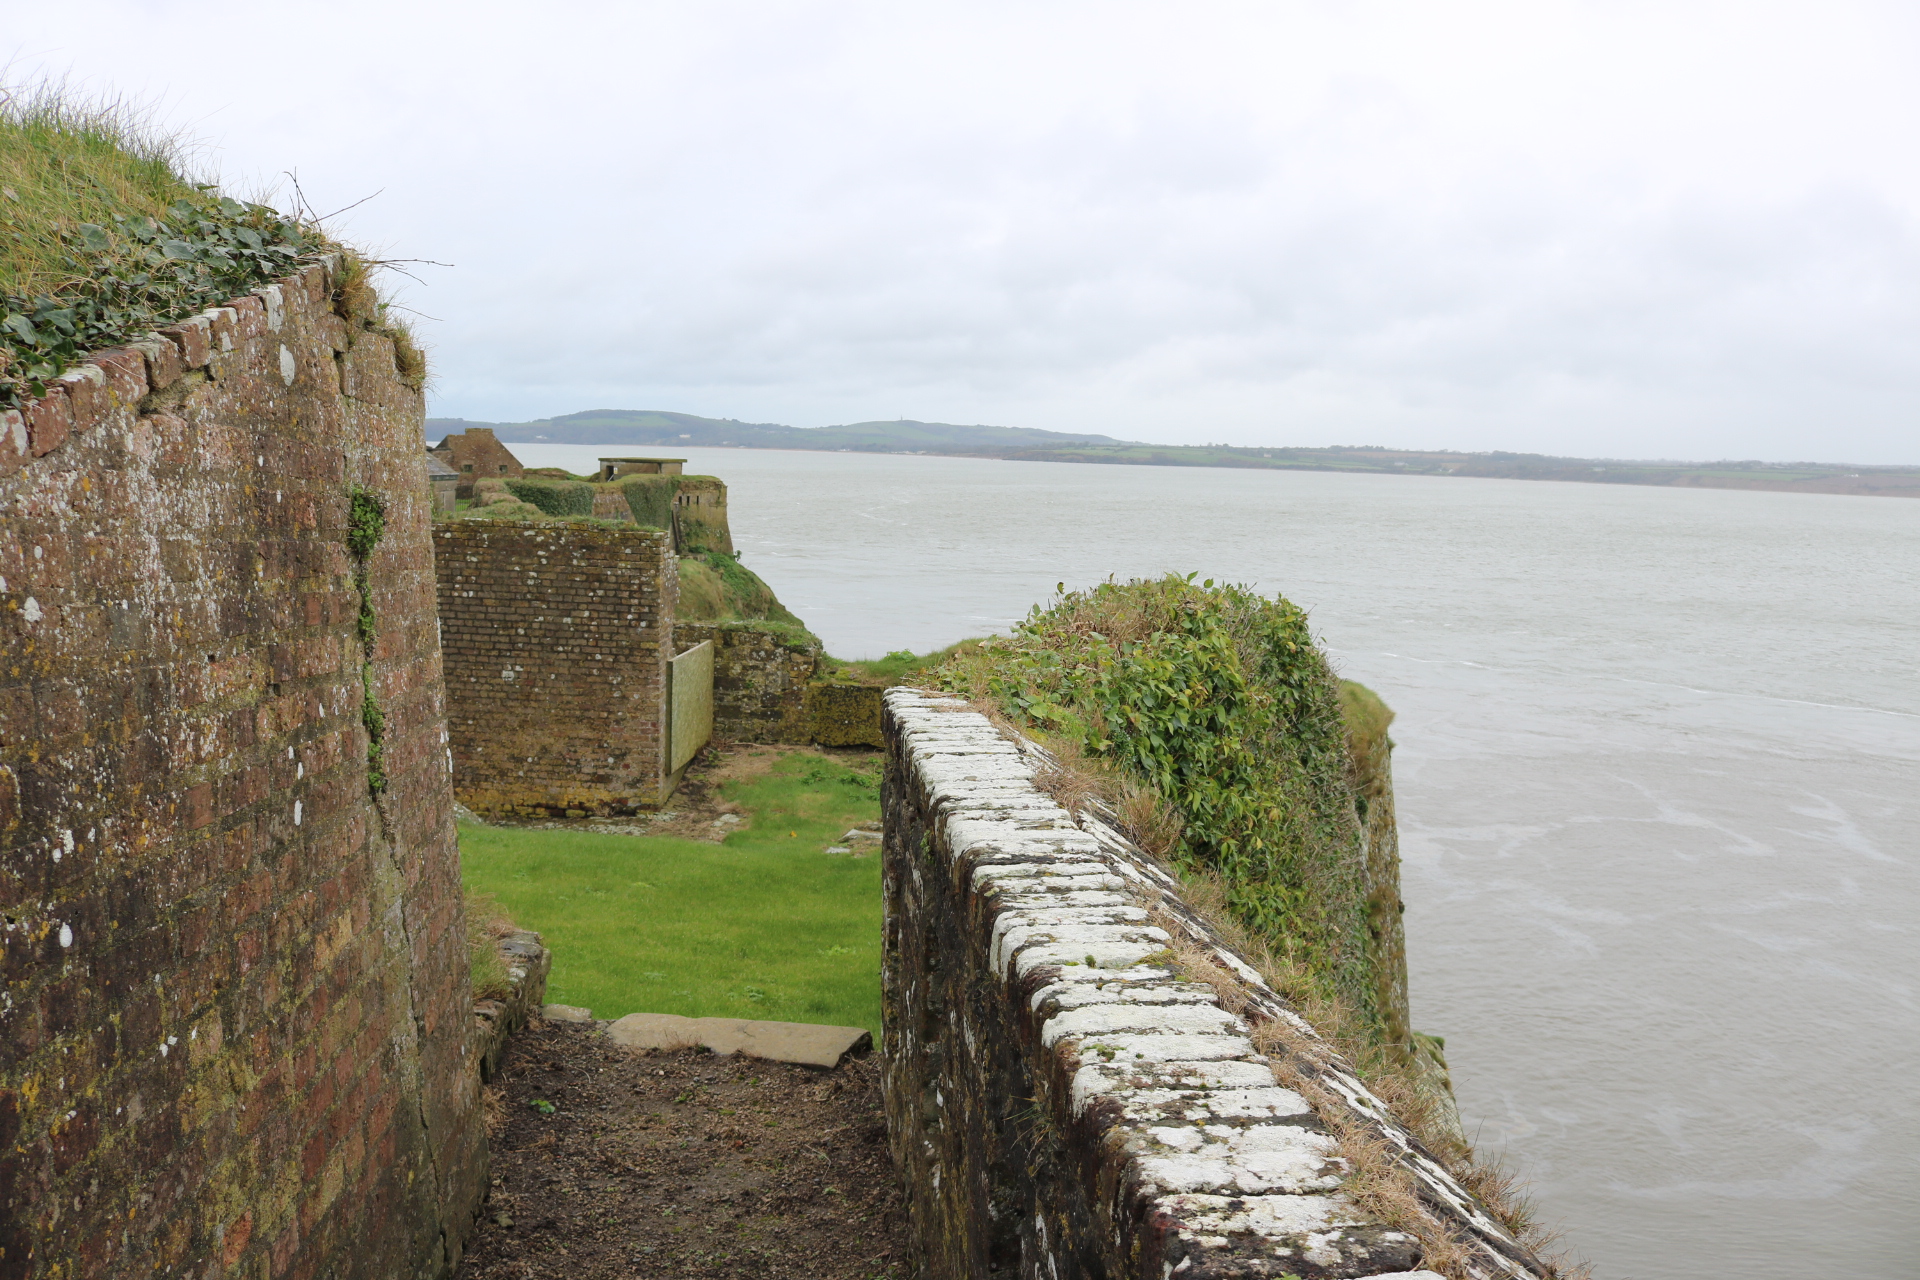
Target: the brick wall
pixel 234 1005
pixel 1060 1101
pixel 555 638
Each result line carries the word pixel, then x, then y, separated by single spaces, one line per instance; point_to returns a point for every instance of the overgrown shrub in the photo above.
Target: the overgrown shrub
pixel 1217 700
pixel 554 497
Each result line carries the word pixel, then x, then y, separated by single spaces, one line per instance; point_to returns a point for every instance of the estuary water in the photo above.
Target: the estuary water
pixel 1658 780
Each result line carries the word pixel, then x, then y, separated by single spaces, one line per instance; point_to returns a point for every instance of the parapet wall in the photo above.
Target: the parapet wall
pixel 1060 1102
pixel 556 638
pixel 234 1002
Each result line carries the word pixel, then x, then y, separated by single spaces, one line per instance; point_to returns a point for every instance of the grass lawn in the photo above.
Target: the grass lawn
pixel 764 925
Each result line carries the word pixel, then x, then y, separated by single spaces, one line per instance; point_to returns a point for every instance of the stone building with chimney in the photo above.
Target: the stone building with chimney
pixel 475 455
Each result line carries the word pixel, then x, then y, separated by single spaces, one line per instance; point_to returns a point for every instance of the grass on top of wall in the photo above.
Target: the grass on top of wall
pixel 764 925
pixel 902 666
pixel 64 162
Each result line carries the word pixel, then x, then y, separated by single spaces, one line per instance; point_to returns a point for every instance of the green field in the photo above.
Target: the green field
pixel 764 925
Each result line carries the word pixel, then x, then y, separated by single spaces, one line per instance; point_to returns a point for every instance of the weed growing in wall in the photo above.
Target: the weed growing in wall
pixel 366 526
pixel 1218 703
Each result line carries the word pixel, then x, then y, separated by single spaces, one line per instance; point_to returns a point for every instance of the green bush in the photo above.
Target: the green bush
pixel 1218 701
pixel 554 497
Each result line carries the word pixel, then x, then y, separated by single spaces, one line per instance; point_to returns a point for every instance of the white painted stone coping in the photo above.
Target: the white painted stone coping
pixel 1212 1140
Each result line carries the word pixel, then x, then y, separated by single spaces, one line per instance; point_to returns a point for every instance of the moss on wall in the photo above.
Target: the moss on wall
pixel 845 714
pixel 650 499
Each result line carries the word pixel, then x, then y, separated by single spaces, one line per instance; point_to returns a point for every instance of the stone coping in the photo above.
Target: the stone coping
pixel 807 1044
pixel 87 394
pixel 1235 1172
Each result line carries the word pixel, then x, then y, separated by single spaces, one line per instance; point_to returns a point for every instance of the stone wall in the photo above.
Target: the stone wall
pixel 760 681
pixel 765 689
pixel 234 1005
pixel 555 639
pixel 496 1018
pixel 1060 1102
pixel 843 713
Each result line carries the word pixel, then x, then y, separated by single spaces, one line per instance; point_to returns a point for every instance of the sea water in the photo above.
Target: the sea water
pixel 1657 773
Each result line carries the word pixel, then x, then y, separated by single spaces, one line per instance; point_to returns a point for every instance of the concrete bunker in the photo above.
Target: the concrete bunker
pixel 614 468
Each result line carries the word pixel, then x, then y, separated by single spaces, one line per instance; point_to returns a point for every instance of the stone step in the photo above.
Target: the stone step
pixel 808 1044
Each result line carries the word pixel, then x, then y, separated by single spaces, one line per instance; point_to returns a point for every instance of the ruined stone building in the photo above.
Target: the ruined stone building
pixel 475 455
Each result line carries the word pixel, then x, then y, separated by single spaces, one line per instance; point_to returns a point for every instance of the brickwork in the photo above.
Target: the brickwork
pixel 555 638
pixel 1061 1102
pixel 234 1005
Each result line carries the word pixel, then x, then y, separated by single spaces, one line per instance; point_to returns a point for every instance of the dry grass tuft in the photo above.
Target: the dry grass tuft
pixel 487 923
pixel 1153 824
pixel 493 1109
pixel 357 300
pixel 1071 789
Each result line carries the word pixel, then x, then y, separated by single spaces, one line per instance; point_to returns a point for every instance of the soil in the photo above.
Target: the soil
pixel 611 1163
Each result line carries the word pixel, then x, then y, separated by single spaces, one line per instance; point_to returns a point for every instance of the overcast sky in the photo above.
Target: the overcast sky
pixel 1623 229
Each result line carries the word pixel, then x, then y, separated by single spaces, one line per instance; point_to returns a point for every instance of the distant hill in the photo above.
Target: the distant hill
pixel 655 429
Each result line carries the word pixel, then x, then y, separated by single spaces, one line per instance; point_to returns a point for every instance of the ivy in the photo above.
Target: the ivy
pixel 137 274
pixel 366 526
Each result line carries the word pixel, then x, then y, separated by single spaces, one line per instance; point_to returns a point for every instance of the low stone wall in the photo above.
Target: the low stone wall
pixel 555 639
pixel 233 970
pixel 527 963
pixel 1060 1102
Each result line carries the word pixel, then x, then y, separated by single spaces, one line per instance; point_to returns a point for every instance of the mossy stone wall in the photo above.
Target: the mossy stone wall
pixel 845 714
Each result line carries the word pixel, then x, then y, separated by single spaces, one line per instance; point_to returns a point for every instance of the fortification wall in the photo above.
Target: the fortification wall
pixel 1060 1101
pixel 234 1006
pixel 555 639
pixel 760 680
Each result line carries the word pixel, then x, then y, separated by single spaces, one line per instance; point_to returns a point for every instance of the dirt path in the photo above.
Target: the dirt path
pixel 609 1163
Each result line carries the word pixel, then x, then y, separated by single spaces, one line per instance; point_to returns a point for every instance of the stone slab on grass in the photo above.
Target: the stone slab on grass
pixel 808 1044
pixel 565 1013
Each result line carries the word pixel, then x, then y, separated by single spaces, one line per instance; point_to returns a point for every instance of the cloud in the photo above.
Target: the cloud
pixel 1619 229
